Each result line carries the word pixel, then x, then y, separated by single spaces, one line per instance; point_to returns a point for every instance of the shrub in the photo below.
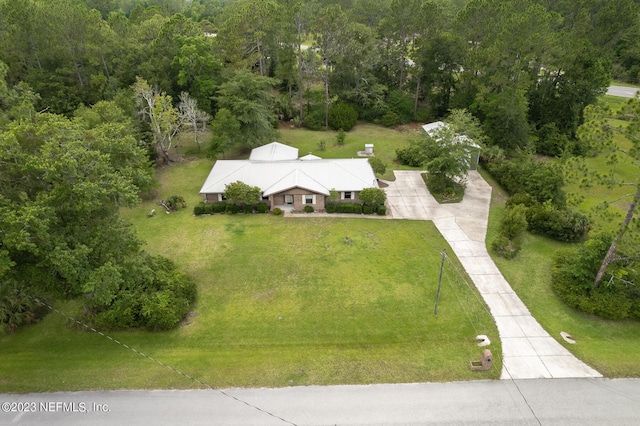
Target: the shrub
pixel 330 207
pixel 521 198
pixel 157 296
pixel 277 211
pixel 199 209
pixel 543 181
pixel 382 210
pixel 219 207
pixel 247 209
pixel 412 156
pixel 308 209
pixel 390 119
pixel 505 247
pixel 340 137
pixel 560 224
pixel 514 222
pixel 314 120
pixel 175 202
pixel 162 310
pixel 367 209
pixel 262 207
pixel 231 209
pixel 357 208
pixel 373 196
pixel 18 306
pixel 344 208
pixel 342 116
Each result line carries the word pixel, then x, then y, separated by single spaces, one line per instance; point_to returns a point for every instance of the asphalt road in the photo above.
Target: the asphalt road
pixel 500 402
pixel 623 92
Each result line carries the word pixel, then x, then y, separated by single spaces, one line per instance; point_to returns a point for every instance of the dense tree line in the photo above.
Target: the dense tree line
pixel 525 68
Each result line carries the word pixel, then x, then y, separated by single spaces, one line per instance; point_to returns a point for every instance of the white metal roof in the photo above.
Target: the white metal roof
pixel 274 151
pixel 316 175
pixel 431 129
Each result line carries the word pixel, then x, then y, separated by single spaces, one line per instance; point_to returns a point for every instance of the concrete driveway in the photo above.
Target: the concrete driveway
pixel 528 351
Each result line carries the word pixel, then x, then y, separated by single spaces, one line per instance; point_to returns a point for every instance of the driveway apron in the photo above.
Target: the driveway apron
pixel 528 351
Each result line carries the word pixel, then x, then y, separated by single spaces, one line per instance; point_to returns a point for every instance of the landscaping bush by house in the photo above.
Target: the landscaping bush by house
pixel 199 209
pixel 262 207
pixel 308 209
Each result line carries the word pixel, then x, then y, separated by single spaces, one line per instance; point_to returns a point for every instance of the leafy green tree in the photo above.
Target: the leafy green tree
pixel 62 183
pixel 447 155
pixel 225 133
pixel 242 194
pixel 379 167
pixel 505 119
pixel 248 98
pixel 160 66
pixel 198 69
pixel 60 199
pixel 448 151
pixel 373 196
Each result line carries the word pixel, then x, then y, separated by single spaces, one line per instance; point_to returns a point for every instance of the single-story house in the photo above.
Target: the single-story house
pixel 432 130
pixel 288 181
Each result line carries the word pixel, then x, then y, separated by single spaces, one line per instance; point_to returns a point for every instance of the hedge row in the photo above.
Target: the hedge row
pixel 224 207
pixel 543 181
pixel 355 208
pixel 561 224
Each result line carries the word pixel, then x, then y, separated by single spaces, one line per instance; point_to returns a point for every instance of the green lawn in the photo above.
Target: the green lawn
pixel 385 142
pixel 282 301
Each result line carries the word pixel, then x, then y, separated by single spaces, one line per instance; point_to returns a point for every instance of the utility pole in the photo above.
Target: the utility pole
pixel 444 256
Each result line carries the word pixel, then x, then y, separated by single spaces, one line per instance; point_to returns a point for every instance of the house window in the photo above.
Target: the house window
pixel 347 195
pixel 308 199
pixel 288 199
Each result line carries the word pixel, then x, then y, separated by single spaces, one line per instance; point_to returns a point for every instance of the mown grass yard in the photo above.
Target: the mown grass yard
pixel 282 301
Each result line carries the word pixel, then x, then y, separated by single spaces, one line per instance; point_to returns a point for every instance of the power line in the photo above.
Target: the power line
pixel 157 361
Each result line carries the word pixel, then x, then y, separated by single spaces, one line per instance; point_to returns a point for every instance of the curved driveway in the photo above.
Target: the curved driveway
pixel 528 351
